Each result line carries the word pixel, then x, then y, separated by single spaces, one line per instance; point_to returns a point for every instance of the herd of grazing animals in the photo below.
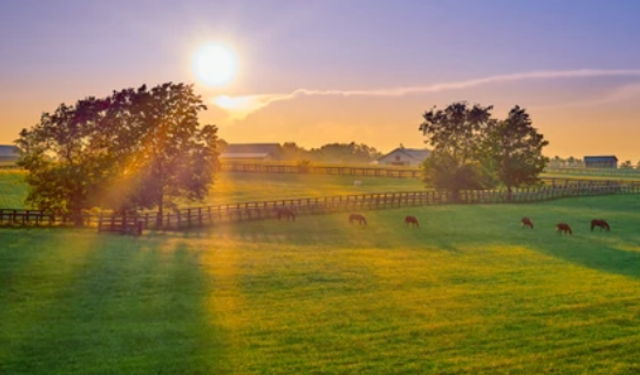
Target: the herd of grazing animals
pixel 564 228
pixel 561 228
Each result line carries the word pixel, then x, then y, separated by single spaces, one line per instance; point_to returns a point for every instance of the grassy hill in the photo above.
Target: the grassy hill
pixel 468 292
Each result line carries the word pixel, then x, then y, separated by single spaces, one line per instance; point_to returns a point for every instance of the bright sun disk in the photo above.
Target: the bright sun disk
pixel 215 64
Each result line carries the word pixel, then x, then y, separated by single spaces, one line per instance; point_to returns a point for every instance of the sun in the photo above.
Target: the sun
pixel 215 64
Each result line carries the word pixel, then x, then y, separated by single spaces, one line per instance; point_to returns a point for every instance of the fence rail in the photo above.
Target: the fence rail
pixel 396 172
pixel 261 210
pixel 322 169
pixel 613 172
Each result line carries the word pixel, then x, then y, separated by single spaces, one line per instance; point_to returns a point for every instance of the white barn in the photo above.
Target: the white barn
pixel 407 157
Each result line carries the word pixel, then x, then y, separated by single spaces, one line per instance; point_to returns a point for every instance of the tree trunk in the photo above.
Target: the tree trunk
pixel 159 221
pixel 509 194
pixel 455 196
pixel 78 220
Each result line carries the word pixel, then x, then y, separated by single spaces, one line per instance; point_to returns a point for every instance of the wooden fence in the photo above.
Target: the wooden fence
pixel 605 172
pixel 249 211
pixel 403 172
pixel 322 169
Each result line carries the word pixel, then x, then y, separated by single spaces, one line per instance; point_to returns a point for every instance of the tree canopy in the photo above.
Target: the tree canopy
pixel 473 150
pixel 137 148
pixel 331 153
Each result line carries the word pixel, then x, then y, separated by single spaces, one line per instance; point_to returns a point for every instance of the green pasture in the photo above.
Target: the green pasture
pixel 243 187
pixel 469 292
pixel 13 190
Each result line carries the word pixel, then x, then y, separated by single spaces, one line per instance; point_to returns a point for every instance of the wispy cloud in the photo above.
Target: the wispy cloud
pixel 615 95
pixel 239 107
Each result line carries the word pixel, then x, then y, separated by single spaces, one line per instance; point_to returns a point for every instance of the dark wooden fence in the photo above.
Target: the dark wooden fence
pixel 400 172
pixel 605 172
pixel 249 211
pixel 322 169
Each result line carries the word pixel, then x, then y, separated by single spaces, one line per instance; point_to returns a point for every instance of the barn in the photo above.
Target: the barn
pixel 608 161
pixel 9 153
pixel 409 157
pixel 251 152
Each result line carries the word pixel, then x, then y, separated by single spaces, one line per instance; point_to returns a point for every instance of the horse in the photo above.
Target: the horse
pixel 563 228
pixel 526 222
pixel 411 220
pixel 357 217
pixel 600 223
pixel 286 213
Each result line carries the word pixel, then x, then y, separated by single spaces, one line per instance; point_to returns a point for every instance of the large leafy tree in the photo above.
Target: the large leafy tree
pixel 515 150
pixel 65 169
pixel 137 148
pixel 174 157
pixel 472 150
pixel 457 136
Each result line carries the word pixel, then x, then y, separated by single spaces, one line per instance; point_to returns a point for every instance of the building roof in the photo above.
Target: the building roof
pixel 243 155
pixel 253 148
pixel 413 153
pixel 9 151
pixel 601 158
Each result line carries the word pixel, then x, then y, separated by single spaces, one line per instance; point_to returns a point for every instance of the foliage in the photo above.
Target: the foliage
pixel 133 149
pixel 443 171
pixel 626 165
pixel 515 150
pixel 472 150
pixel 351 153
pixel 457 135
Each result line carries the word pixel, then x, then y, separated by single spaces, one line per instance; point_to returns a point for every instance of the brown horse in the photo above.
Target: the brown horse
pixel 526 222
pixel 411 220
pixel 563 228
pixel 357 217
pixel 600 223
pixel 286 213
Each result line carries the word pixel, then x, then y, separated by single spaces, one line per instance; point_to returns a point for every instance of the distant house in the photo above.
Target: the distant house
pixel 608 161
pixel 251 152
pixel 410 157
pixel 9 153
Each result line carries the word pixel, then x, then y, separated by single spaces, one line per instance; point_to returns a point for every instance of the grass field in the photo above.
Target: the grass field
pixel 470 292
pixel 13 190
pixel 242 187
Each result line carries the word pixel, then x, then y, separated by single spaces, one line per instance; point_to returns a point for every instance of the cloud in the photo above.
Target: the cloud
pixel 239 107
pixel 618 94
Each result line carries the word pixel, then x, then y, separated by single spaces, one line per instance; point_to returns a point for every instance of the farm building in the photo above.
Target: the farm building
pixel 410 157
pixel 8 153
pixel 251 152
pixel 601 161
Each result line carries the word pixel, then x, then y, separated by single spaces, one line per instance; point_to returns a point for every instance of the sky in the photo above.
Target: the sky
pixel 321 71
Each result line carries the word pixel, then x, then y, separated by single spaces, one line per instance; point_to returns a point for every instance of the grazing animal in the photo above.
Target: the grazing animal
pixel 563 228
pixel 600 223
pixel 526 222
pixel 286 213
pixel 411 220
pixel 357 217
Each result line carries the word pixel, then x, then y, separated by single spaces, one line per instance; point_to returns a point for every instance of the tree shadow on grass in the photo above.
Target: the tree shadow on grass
pixel 130 309
pixel 594 253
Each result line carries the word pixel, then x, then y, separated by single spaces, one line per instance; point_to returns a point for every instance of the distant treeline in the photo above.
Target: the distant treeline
pixel 348 153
